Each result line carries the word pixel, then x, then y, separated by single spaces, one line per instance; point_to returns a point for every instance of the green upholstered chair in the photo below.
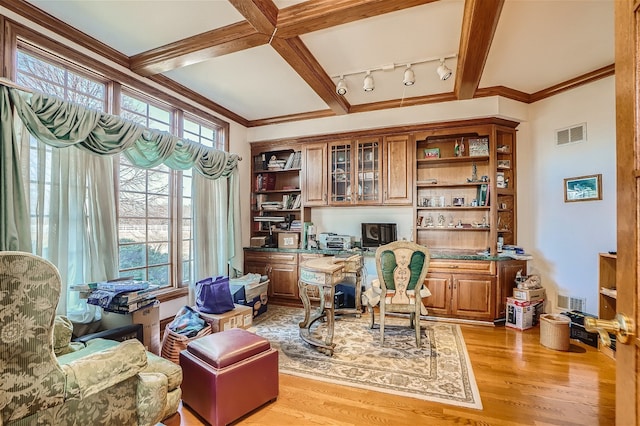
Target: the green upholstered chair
pixel 104 383
pixel 402 267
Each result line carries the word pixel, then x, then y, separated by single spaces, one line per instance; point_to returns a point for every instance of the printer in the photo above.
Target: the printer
pixel 331 241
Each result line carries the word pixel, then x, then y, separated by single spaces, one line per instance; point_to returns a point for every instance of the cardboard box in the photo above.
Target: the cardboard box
pixel 287 240
pixel 258 304
pixel 239 317
pixel 529 295
pixel 258 241
pixel 254 295
pixel 519 314
pixel 149 317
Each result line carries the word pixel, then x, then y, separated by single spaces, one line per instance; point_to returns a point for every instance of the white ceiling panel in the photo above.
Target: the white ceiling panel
pixel 541 43
pixel 135 26
pixel 423 32
pixel 254 83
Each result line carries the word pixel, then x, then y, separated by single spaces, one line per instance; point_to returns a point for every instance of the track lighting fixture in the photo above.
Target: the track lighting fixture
pixel 368 85
pixel 443 71
pixel 341 87
pixel 409 76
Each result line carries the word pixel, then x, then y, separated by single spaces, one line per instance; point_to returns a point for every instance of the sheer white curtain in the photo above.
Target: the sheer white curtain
pixel 72 203
pixel 216 231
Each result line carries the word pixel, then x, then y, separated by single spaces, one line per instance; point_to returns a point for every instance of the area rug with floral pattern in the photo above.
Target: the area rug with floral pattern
pixel 438 371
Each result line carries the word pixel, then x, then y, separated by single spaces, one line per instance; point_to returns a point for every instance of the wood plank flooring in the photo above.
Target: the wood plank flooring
pixel 521 383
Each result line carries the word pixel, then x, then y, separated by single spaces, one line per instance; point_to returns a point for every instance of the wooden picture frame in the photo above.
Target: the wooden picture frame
pixel 583 188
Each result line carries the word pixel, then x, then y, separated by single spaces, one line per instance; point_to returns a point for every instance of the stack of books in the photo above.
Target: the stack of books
pixel 123 296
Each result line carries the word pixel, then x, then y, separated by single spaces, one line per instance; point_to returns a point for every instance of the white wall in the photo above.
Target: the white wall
pixel 565 238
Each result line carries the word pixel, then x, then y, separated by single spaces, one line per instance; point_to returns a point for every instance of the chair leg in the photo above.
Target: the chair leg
pixel 373 316
pixel 382 315
pixel 417 327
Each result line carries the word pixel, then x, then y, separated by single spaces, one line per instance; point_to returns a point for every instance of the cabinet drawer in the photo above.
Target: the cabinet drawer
pixel 463 266
pixel 289 258
pixel 256 256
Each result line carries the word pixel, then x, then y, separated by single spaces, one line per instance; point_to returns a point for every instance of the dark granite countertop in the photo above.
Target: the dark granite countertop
pixel 453 255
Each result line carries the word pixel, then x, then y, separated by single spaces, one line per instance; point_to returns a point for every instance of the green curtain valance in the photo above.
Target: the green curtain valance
pixel 61 124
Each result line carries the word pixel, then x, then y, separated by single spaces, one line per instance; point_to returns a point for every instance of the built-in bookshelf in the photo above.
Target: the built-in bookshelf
pixel 276 198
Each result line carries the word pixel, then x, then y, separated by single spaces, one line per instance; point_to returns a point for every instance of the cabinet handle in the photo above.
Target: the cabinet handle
pixel 454 266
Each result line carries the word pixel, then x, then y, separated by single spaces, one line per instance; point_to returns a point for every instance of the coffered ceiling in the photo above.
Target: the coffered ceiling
pixel 267 61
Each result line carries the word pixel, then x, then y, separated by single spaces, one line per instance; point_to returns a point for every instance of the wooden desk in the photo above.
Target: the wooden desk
pixel 325 273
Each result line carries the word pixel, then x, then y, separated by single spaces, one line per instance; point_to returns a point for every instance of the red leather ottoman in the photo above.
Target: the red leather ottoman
pixel 228 374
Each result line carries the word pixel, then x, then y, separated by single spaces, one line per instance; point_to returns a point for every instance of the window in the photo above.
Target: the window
pixel 145 204
pixel 209 135
pixel 58 207
pixel 44 75
pixel 154 207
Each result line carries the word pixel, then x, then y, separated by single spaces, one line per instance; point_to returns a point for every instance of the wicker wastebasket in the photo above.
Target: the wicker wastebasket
pixel 554 331
pixel 173 343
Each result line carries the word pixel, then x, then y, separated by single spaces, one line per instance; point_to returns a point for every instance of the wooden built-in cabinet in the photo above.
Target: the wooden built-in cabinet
pixel 397 178
pixel 315 174
pixel 280 267
pixel 364 171
pixel 471 289
pixel 459 177
pixel 465 186
pixel 276 196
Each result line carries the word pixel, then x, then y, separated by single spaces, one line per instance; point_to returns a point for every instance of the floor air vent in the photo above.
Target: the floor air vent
pixel 571 303
pixel 572 134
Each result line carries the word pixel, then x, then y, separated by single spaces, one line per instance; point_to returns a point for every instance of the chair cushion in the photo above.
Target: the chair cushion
pixel 156 364
pixel 388 264
pixel 227 347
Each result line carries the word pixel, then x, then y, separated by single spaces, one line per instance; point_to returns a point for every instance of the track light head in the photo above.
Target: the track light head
pixel 443 71
pixel 409 76
pixel 368 85
pixel 341 87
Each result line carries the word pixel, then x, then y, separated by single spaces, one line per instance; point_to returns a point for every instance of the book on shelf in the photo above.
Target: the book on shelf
pixel 289 162
pixel 483 195
pixel 268 219
pixel 297 160
pixel 297 202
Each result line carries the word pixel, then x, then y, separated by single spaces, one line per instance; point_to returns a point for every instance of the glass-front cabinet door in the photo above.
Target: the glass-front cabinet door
pixel 340 162
pixel 368 172
pixel 355 172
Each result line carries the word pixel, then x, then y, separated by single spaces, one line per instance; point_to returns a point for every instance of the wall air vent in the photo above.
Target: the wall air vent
pixel 569 303
pixel 573 134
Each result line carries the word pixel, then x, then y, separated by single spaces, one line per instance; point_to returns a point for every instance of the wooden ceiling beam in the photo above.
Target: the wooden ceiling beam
pixel 201 47
pixel 302 61
pixel 317 15
pixel 261 14
pixel 479 25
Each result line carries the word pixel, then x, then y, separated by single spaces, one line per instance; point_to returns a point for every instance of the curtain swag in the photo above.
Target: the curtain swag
pixel 63 124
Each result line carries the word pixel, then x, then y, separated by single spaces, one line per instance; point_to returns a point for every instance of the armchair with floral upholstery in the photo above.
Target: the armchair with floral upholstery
pixel 48 380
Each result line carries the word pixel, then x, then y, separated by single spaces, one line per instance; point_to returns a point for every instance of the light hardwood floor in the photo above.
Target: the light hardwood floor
pixel 521 383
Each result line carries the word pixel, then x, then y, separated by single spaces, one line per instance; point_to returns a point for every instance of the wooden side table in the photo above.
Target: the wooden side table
pixel 325 273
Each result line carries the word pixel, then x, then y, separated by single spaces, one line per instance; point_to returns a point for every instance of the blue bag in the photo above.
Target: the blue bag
pixel 213 295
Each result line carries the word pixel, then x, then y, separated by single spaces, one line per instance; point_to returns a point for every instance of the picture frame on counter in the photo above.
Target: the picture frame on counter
pixel 430 153
pixel 478 147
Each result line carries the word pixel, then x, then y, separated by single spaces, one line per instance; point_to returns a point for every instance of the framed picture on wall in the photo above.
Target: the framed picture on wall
pixel 583 188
